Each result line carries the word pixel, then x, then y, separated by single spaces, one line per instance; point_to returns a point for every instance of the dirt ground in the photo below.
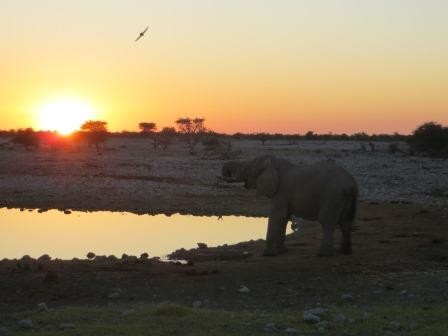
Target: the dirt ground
pixel 400 250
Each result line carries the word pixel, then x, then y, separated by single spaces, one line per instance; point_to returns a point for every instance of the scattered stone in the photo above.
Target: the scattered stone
pixel 366 316
pixel 310 318
pixel 395 326
pixel 67 212
pixel 197 304
pixel 351 320
pixel 114 295
pixel 65 326
pixel 202 245
pixel 26 324
pixel 270 326
pixel 128 312
pixel 42 307
pixel 347 297
pixel 323 325
pixel 144 256
pixel 339 318
pixel 243 289
pixel 403 292
pixel 291 331
pixel 315 311
pixel 90 255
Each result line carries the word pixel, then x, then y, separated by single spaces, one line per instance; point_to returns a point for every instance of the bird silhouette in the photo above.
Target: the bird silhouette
pixel 141 34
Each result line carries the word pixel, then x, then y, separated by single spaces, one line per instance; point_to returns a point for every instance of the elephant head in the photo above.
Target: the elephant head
pixel 260 174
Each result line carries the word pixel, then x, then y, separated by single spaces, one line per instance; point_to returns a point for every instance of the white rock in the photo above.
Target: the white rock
pixel 347 297
pixel 315 311
pixel 270 326
pixel 42 307
pixel 310 318
pixel 394 326
pixel 243 289
pixel 26 324
pixel 197 304
pixel 64 326
pixel 340 318
pixel 291 331
pixel 114 295
pixel 323 325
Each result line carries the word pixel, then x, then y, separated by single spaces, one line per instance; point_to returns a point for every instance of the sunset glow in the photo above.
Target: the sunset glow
pixel 245 66
pixel 63 116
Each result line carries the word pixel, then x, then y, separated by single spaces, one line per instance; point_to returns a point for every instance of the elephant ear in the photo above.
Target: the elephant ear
pixel 267 179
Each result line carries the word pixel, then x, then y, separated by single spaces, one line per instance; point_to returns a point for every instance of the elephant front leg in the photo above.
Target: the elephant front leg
pixel 275 237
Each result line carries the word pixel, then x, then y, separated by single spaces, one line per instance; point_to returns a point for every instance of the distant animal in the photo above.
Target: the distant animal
pixel 322 191
pixel 141 34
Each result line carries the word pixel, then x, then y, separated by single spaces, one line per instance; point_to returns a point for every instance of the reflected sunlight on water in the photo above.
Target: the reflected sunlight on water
pixel 105 233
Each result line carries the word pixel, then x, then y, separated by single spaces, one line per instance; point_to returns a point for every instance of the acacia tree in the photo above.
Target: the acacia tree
pixel 147 127
pixel 96 133
pixel 191 128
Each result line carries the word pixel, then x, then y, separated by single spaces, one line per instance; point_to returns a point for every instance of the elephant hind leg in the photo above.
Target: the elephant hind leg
pixel 346 243
pixel 328 217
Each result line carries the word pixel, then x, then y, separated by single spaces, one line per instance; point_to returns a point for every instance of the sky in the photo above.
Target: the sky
pixel 285 66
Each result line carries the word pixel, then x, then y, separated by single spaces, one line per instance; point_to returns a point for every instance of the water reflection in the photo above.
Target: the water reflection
pixel 67 236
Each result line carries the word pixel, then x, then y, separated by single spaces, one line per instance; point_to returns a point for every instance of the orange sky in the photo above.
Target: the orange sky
pixel 251 66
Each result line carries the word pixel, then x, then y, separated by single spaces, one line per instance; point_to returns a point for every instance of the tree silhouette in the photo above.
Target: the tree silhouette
pixel 191 129
pixel 96 133
pixel 147 127
pixel 430 138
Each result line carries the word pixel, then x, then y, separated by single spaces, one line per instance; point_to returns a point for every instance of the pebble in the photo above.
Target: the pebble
pixel 340 318
pixel 270 326
pixel 315 311
pixel 291 331
pixel 114 295
pixel 42 307
pixel 322 325
pixel 26 324
pixel 64 326
pixel 395 326
pixel 197 304
pixel 310 318
pixel 243 289
pixel 347 297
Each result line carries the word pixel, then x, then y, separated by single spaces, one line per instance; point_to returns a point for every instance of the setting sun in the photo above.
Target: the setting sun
pixel 64 116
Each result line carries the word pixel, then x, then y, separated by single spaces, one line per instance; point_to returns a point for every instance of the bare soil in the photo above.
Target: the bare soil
pixel 400 250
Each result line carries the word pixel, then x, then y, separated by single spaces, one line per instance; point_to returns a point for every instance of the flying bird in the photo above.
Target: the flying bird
pixel 141 34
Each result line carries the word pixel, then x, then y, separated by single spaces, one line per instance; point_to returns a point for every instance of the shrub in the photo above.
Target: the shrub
pixel 27 138
pixel 431 139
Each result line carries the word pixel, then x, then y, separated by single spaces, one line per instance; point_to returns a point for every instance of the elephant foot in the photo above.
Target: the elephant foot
pixel 326 251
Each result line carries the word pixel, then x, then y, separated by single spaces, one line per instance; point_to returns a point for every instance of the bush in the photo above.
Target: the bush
pixel 210 141
pixel 27 138
pixel 431 139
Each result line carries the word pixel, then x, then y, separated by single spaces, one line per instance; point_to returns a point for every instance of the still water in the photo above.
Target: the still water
pixel 105 233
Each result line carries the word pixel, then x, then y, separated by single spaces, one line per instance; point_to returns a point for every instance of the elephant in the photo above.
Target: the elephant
pixel 321 191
